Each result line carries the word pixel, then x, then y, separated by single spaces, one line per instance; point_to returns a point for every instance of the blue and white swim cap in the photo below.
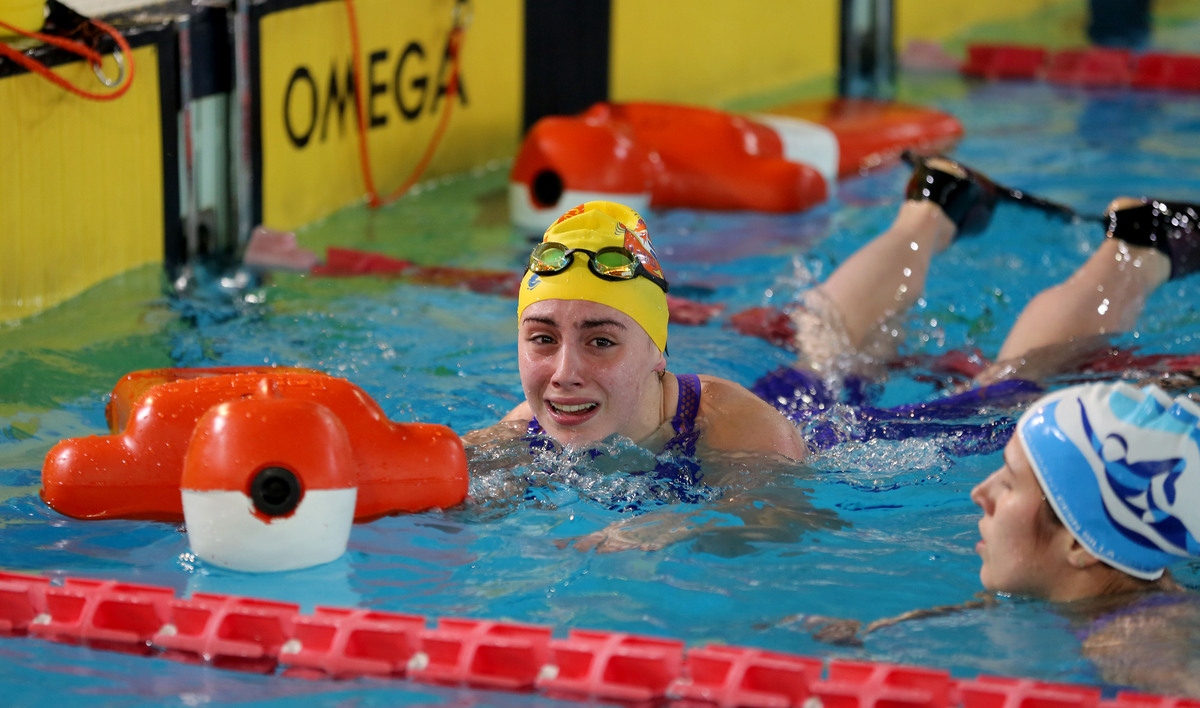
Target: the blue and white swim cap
pixel 1121 468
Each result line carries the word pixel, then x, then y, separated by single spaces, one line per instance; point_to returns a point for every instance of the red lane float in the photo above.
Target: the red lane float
pixel 253 458
pixel 1090 66
pixel 267 636
pixel 669 155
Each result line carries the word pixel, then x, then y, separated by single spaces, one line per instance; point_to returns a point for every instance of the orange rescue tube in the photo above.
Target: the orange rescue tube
pixel 135 472
pixel 648 155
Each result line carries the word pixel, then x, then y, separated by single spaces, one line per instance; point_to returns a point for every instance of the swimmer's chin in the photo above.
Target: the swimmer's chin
pixel 573 434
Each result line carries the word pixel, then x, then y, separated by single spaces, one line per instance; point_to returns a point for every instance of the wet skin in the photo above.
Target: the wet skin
pixel 1015 559
pixel 589 371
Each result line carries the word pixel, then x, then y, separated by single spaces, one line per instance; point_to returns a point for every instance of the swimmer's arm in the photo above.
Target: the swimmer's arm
pixel 849 632
pixel 521 413
pixel 986 600
pixel 735 419
pixel 1151 648
pixel 510 426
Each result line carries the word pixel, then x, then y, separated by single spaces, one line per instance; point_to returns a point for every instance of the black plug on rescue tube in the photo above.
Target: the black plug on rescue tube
pixel 275 491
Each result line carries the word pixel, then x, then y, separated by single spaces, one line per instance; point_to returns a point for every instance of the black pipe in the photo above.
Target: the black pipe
pixel 867 55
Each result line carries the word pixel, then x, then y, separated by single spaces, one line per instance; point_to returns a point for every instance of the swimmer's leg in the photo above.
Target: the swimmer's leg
pixel 1172 228
pixel 887 275
pixel 883 278
pixel 1103 297
pixel 967 197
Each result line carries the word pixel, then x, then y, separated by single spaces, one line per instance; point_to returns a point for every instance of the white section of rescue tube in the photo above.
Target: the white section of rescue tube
pixel 535 220
pixel 807 143
pixel 224 530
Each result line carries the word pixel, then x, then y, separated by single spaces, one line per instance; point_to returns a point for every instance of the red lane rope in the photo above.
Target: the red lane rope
pixel 70 45
pixel 455 47
pixel 268 636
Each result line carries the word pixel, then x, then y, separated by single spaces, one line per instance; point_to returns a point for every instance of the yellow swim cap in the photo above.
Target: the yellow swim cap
pixel 593 226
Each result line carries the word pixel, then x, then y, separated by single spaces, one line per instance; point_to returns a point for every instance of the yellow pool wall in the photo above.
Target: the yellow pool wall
pixel 82 183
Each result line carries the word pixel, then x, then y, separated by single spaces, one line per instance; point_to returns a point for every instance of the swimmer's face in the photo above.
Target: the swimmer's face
pixel 1016 557
pixel 589 371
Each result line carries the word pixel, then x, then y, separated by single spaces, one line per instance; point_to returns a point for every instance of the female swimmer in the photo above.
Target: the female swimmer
pixel 592 343
pixel 1098 494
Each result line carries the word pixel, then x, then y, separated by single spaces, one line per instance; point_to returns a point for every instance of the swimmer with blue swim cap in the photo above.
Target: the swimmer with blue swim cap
pixel 1099 493
pixel 1120 466
pixel 592 316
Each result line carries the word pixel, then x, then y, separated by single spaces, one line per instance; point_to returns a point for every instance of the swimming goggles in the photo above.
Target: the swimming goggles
pixel 609 263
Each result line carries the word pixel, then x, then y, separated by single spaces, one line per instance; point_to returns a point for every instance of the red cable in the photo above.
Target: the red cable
pixel 364 159
pixel 70 45
pixel 423 163
pixel 373 198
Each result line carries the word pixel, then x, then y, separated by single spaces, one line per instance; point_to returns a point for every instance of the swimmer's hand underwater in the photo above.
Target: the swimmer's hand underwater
pixel 731 527
pixel 830 630
pixel 650 532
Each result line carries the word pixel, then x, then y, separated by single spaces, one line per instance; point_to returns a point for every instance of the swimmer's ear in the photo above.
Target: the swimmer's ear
pixel 661 364
pixel 1079 557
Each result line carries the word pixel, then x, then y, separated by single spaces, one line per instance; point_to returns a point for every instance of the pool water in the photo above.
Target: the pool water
pixel 868 530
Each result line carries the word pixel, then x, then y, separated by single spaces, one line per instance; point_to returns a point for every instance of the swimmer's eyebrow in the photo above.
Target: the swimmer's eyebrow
pixel 1008 467
pixel 586 324
pixel 1007 463
pixel 591 324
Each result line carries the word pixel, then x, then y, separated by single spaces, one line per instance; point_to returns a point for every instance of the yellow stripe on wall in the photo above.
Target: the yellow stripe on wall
pixel 714 52
pixel 709 52
pixel 937 20
pixel 311 163
pixel 81 196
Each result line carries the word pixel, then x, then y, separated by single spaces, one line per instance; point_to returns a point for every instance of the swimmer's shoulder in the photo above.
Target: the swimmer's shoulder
pixel 521 413
pixel 733 418
pixel 1149 645
pixel 718 390
pixel 717 393
pixel 510 427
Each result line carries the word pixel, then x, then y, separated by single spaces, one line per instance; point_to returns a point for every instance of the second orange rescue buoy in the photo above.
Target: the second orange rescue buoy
pixel 230 426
